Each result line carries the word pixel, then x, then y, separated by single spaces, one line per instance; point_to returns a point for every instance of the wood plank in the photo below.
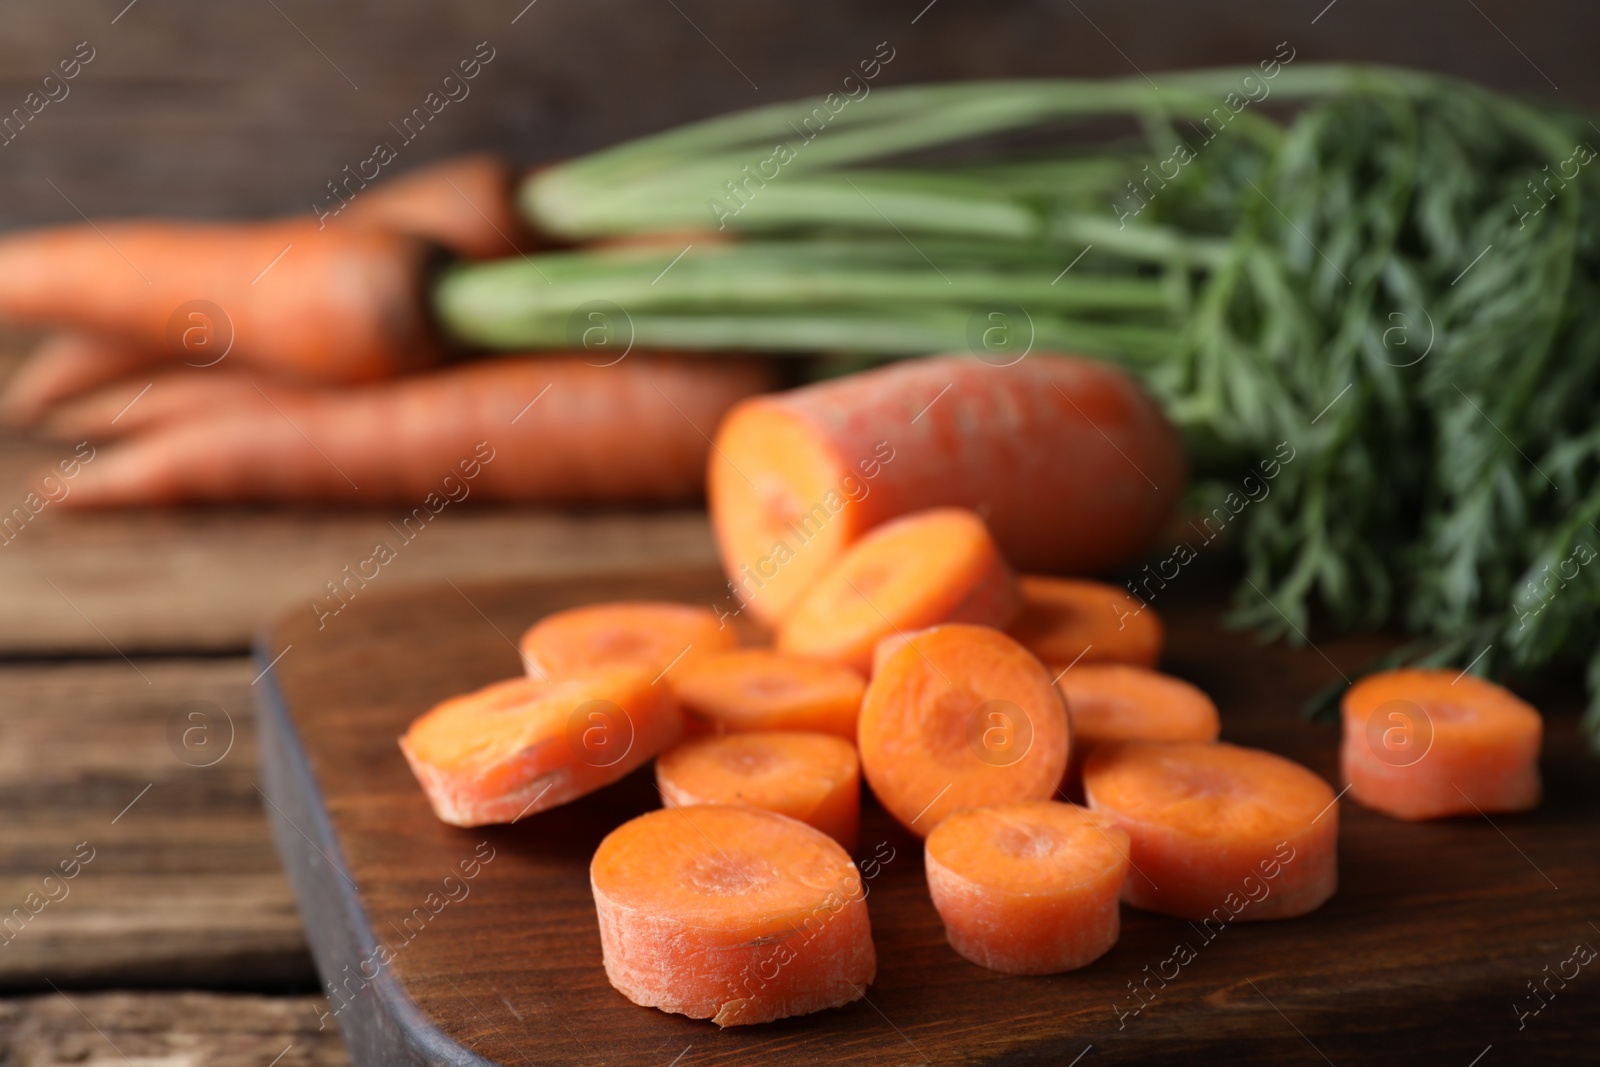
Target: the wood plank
pixel 166 1029
pixel 204 580
pixel 1432 936
pixel 181 885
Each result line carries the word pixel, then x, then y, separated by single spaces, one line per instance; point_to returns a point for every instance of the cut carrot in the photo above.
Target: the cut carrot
pixel 1218 831
pixel 650 634
pixel 1071 620
pixel 1028 888
pixel 1112 702
pixel 813 777
pixel 731 914
pixel 1422 744
pixel 917 571
pixel 958 717
pixel 464 203
pixel 556 429
pixel 759 689
pixel 1063 457
pixel 522 745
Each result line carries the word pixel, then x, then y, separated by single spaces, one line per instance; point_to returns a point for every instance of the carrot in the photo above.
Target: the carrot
pixel 813 777
pixel 464 203
pixel 63 365
pixel 134 405
pixel 917 571
pixel 957 717
pixel 522 745
pixel 759 689
pixel 649 634
pixel 343 304
pixel 1072 620
pixel 731 914
pixel 1071 464
pixel 1218 831
pixel 1029 887
pixel 1111 702
pixel 628 433
pixel 1423 744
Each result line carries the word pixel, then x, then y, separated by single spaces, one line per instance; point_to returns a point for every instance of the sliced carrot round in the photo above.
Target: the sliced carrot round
pixel 813 777
pixel 1073 620
pixel 1218 831
pixel 919 570
pixel 759 689
pixel 1422 744
pixel 731 914
pixel 656 635
pixel 1114 702
pixel 1028 888
pixel 957 717
pixel 523 745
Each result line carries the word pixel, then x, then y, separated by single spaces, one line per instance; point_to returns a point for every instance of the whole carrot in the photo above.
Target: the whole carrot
pixel 545 429
pixel 65 364
pixel 1069 462
pixel 139 403
pixel 341 304
pixel 464 203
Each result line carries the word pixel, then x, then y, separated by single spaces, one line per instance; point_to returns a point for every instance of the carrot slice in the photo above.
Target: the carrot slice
pixel 922 569
pixel 813 777
pixel 1050 450
pixel 957 717
pixel 645 633
pixel 524 745
pixel 1218 831
pixel 1113 702
pixel 731 914
pixel 759 689
pixel 1071 620
pixel 1423 744
pixel 1028 888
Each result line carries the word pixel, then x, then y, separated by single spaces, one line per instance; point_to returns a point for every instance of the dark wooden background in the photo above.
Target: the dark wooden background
pixel 205 108
pixel 202 108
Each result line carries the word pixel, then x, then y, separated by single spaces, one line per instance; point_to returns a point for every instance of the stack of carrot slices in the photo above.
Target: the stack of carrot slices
pixel 973 701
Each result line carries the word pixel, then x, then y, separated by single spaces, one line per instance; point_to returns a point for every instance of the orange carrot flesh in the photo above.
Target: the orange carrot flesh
pixel 465 204
pixel 1072 620
pixel 544 429
pixel 1055 452
pixel 343 304
pixel 1424 744
pixel 1218 831
pixel 1028 888
pixel 758 689
pixel 960 716
pixel 1111 702
pixel 731 914
pixel 523 746
pixel 813 777
pixel 917 571
pixel 649 634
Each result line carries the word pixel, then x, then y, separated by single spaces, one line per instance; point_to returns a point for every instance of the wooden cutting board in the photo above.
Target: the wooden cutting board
pixel 1425 954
